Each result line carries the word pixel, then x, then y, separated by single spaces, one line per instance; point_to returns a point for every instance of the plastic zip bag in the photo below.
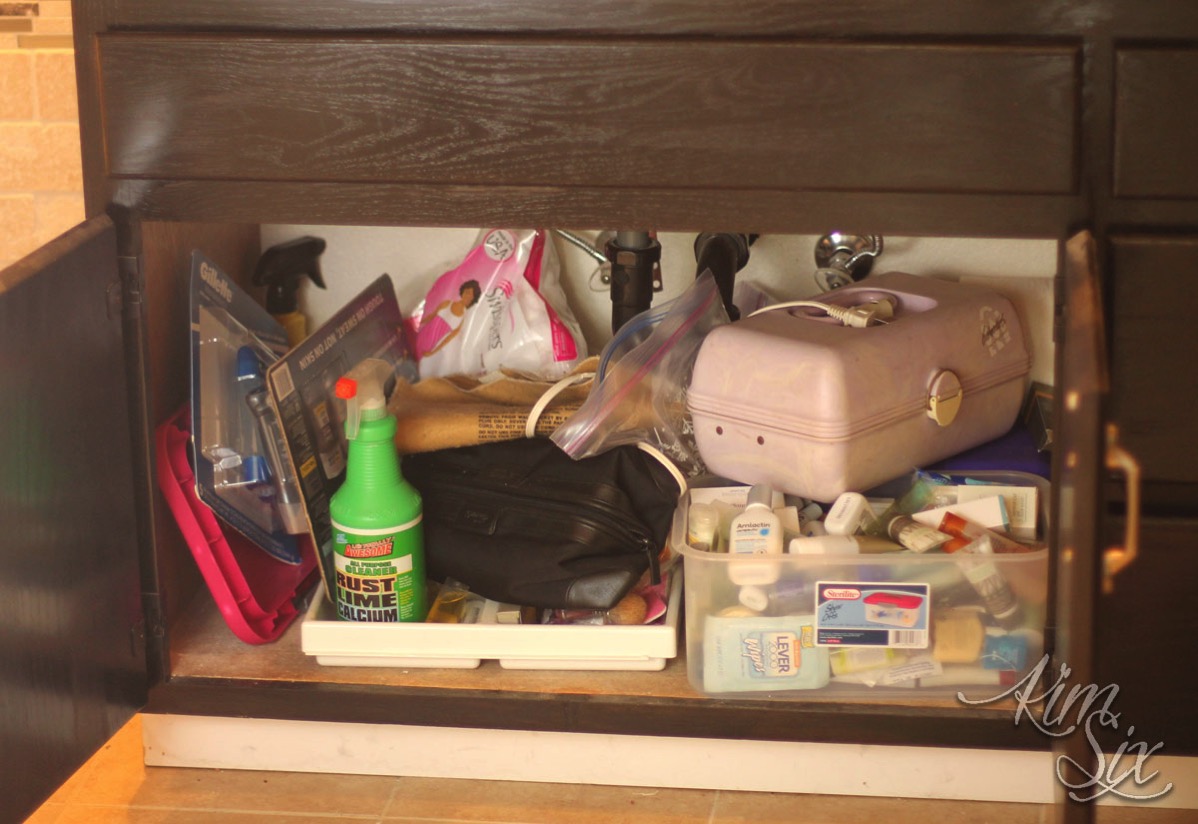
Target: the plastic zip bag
pixel 642 396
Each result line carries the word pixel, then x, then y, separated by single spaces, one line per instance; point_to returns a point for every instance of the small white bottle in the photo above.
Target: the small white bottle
pixel 756 531
pixel 703 528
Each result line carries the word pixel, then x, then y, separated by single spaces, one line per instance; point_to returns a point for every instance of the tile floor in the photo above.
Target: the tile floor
pixel 115 786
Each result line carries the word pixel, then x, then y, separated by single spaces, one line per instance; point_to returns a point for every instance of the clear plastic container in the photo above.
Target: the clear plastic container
pixel 932 623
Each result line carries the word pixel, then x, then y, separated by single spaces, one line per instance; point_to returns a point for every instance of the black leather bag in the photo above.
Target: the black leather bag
pixel 521 522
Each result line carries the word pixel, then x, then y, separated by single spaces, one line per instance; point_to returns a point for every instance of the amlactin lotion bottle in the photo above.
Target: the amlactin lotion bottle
pixel 756 531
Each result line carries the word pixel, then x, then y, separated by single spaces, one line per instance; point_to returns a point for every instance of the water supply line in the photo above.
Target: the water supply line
pixel 843 258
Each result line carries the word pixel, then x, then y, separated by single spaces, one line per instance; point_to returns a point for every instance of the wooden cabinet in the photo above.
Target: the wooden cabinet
pixel 1154 127
pixel 956 117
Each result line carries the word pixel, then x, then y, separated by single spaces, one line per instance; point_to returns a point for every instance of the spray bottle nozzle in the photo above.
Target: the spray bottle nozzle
pixel 363 390
pixel 281 267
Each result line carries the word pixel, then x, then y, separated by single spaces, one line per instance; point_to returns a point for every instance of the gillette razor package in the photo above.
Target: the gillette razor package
pixel 241 466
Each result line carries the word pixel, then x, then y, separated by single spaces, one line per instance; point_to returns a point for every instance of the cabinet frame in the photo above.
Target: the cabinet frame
pixel 158 214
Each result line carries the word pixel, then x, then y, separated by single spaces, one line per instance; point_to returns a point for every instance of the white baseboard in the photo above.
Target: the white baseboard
pixel 628 760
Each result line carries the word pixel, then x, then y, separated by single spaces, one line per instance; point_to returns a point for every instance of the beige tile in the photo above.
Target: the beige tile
pixel 534 803
pixel 781 808
pixel 61 158
pixel 40 157
pixel 18 155
pixel 16 85
pixel 54 85
pixel 17 226
pixel 54 8
pixel 45 41
pixel 52 25
pixel 55 214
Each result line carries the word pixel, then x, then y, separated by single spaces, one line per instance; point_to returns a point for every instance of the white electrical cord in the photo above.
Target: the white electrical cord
pixel 872 312
pixel 534 414
pixel 670 466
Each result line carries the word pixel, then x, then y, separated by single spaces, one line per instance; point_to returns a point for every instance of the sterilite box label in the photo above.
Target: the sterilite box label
pixel 871 614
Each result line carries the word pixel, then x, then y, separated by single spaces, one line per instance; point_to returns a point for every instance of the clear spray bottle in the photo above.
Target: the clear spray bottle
pixel 376 514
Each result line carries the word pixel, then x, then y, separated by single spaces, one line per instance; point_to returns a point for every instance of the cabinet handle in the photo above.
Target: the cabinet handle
pixel 1115 559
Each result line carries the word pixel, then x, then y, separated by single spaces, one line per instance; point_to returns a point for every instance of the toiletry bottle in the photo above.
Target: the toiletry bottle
pixel 913 535
pixel 955 525
pixel 756 531
pixel 976 560
pixel 850 514
pixel 787 597
pixel 376 514
pixel 957 636
pixel 918 496
pixel 852 660
pixel 703 527
pixel 841 545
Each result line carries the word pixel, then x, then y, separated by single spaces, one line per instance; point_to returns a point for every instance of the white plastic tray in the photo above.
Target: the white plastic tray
pixel 516 646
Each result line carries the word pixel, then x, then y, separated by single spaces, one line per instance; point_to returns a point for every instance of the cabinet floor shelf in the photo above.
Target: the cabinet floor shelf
pixel 214 673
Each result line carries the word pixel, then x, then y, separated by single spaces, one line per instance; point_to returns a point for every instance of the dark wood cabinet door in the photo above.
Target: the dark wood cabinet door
pixel 1156 88
pixel 1154 338
pixel 70 613
pixel 1146 617
pixel 1147 624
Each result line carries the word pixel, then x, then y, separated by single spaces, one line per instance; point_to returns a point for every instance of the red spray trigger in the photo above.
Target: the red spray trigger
pixel 346 388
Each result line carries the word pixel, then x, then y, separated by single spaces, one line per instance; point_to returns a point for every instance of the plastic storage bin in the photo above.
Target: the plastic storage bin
pixel 814 626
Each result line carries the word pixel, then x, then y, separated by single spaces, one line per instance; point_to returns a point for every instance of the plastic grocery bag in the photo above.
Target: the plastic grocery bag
pixel 501 308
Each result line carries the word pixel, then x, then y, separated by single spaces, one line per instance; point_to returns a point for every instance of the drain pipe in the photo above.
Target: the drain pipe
pixel 725 254
pixel 634 255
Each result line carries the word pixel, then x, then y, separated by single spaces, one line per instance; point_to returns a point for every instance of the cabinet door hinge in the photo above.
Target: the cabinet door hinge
pixel 132 288
pixel 1058 309
pixel 114 300
pixel 153 632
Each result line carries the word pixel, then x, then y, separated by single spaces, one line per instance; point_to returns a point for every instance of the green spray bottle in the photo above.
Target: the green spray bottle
pixel 376 514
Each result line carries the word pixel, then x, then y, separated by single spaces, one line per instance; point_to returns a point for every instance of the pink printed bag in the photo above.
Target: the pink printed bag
pixel 500 308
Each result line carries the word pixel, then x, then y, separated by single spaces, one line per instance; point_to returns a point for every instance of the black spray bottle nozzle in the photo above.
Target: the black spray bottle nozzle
pixel 281 268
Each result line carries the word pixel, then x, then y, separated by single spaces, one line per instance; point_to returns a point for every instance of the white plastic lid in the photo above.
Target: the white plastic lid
pixel 754 598
pixel 761 495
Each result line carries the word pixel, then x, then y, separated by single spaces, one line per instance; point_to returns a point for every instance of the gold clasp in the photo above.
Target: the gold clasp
pixel 944 397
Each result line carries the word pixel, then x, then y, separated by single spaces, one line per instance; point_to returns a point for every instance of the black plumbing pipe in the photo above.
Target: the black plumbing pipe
pixel 725 254
pixel 633 256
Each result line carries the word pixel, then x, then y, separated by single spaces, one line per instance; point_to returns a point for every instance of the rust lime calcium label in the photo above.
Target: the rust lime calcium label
pixel 377 576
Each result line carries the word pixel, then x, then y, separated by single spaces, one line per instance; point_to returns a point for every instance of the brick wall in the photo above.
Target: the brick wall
pixel 41 179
